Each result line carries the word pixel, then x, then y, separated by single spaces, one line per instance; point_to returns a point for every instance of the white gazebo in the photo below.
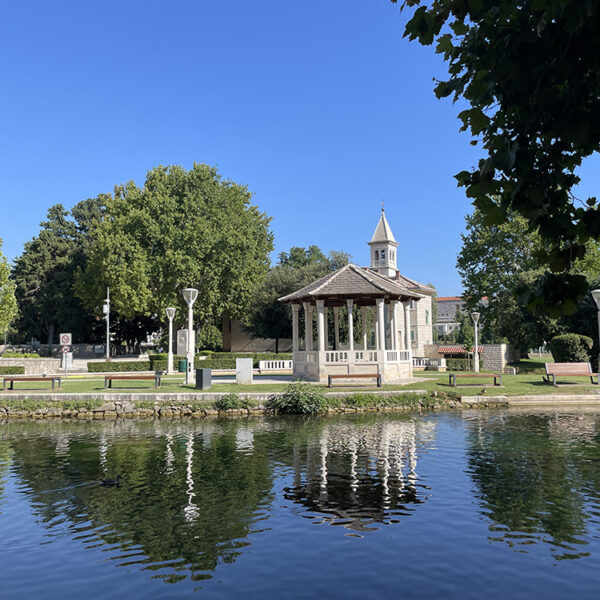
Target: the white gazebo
pixel 380 350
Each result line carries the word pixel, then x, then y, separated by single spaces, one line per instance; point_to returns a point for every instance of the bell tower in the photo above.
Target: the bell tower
pixel 383 248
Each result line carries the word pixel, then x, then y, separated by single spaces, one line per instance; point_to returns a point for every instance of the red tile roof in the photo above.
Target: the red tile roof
pixel 449 298
pixel 456 350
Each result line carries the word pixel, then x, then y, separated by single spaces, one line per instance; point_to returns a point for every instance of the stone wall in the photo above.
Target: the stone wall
pixel 33 366
pixel 495 357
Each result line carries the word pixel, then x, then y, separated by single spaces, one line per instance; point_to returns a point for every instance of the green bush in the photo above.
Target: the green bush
pixel 299 398
pixel 13 370
pixel 571 347
pixel 20 355
pixel 458 364
pixel 118 366
pixel 209 363
pixel 231 401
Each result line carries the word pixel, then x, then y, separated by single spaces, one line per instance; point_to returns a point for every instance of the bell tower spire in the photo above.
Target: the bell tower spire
pixel 383 247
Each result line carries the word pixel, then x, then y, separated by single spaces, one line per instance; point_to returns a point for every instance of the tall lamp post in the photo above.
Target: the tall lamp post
pixel 106 311
pixel 170 316
pixel 596 296
pixel 475 317
pixel 190 295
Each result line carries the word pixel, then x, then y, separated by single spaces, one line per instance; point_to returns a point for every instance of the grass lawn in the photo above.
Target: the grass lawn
pixel 527 381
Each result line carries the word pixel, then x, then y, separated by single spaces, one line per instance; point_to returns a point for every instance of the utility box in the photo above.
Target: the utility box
pixel 203 379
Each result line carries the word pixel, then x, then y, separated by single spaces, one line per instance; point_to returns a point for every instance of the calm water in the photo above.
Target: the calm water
pixel 478 504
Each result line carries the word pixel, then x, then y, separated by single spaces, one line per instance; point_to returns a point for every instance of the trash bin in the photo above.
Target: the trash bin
pixel 182 368
pixel 203 379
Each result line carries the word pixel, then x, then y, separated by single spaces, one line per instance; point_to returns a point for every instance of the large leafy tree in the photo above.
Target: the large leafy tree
pixel 181 229
pixel 8 302
pixel 530 72
pixel 44 275
pixel 296 268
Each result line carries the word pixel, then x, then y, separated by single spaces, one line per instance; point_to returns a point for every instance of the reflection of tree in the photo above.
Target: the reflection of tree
pixel 5 461
pixel 186 502
pixel 531 471
pixel 357 475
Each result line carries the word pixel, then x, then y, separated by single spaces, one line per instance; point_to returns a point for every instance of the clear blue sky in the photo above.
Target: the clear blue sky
pixel 320 107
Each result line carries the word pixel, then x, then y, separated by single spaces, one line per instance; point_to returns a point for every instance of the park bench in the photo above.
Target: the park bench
pixel 568 370
pixel 377 376
pixel 13 380
pixel 496 376
pixel 108 379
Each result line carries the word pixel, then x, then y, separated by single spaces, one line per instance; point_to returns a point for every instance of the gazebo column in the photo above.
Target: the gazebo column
pixel 321 325
pixel 295 324
pixel 381 322
pixel 376 326
pixel 393 326
pixel 336 326
pixel 407 324
pixel 308 333
pixel 364 327
pixel 350 325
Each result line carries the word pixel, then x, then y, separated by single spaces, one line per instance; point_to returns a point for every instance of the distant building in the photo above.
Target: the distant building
pixel 448 308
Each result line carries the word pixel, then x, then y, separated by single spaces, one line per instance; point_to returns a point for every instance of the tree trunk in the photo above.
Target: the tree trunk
pixel 276 345
pixel 50 334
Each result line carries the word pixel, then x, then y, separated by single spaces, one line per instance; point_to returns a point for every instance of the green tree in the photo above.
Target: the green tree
pixel 466 333
pixel 44 275
pixel 269 318
pixel 181 229
pixel 8 302
pixel 530 71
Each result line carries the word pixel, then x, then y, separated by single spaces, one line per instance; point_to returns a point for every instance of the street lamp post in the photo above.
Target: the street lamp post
pixel 190 295
pixel 475 317
pixel 596 296
pixel 106 310
pixel 170 316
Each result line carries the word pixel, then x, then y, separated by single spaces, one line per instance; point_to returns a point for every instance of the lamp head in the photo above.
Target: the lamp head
pixel 171 313
pixel 596 296
pixel 190 295
pixel 475 317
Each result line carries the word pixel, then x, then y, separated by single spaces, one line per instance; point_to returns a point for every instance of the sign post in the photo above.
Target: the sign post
pixel 66 339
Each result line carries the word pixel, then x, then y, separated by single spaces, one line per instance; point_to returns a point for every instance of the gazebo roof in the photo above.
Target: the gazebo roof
pixel 352 282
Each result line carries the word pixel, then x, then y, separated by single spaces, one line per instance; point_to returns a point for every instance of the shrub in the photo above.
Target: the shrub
pixel 118 366
pixel 231 401
pixel 12 370
pixel 299 398
pixel 458 364
pixel 20 355
pixel 571 347
pixel 209 363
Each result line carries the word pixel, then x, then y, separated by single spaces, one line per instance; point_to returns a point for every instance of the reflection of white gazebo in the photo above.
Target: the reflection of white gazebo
pixel 385 352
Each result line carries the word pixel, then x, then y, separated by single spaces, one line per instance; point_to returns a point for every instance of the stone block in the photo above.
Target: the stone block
pixel 243 371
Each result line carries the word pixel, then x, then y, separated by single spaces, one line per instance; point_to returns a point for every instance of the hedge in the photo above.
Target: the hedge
pixel 118 366
pixel 458 364
pixel 571 347
pixel 13 370
pixel 20 355
pixel 255 356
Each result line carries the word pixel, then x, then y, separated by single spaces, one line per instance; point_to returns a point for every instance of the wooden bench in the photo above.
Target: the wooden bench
pixel 496 376
pixel 568 370
pixel 377 376
pixel 12 380
pixel 108 379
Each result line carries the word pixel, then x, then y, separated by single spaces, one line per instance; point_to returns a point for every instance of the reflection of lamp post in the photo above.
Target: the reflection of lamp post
pixel 475 317
pixel 190 295
pixel 596 296
pixel 170 316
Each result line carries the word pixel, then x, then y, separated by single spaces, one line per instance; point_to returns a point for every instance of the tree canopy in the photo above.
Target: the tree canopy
pixel 530 71
pixel 296 268
pixel 8 302
pixel 181 229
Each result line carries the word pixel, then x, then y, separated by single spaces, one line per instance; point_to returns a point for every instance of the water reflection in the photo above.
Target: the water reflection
pixel 359 476
pixel 537 477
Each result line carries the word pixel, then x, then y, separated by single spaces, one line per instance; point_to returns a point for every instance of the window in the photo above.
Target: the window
pixel 376 255
pixel 412 335
pixel 383 256
pixel 426 317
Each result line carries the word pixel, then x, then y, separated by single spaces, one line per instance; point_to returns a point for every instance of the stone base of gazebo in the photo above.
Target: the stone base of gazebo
pixel 316 365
